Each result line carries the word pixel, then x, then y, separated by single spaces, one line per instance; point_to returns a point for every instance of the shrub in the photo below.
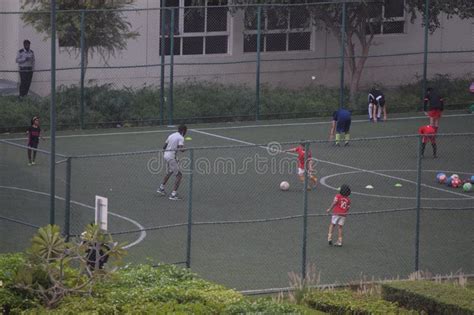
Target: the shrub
pixel 11 299
pixel 200 101
pixel 431 297
pixel 347 302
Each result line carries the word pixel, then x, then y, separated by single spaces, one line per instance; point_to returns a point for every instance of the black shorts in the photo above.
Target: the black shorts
pixel 343 126
pixel 33 145
pixel 381 102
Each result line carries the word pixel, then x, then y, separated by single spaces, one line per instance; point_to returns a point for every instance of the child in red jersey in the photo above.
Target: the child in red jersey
pixel 33 139
pixel 309 165
pixel 429 135
pixel 340 207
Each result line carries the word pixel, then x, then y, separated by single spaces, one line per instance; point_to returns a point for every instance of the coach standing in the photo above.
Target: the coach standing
pixel 25 59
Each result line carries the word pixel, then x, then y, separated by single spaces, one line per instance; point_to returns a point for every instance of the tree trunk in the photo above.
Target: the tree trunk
pixel 356 70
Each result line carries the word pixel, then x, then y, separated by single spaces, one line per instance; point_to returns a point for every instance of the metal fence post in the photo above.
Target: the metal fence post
pixel 425 52
pixel 67 210
pixel 170 96
pixel 52 113
pixel 305 211
pixel 259 48
pixel 418 206
pixel 190 209
pixel 343 55
pixel 162 65
pixel 83 70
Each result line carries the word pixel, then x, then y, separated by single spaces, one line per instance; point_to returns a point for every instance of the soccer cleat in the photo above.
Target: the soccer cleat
pixel 174 197
pixel 338 244
pixel 161 191
pixel 346 144
pixel 33 162
pixel 29 164
pixel 330 242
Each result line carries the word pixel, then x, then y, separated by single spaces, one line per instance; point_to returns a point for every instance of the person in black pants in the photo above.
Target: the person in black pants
pixel 25 59
pixel 33 133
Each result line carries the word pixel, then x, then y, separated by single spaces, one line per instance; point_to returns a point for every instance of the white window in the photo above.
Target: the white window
pixel 387 17
pixel 283 29
pixel 197 30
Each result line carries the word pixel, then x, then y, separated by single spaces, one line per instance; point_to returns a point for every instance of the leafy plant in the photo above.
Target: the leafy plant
pixel 54 269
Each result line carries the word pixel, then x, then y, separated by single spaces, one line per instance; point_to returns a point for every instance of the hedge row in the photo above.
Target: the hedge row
pixel 348 302
pixel 141 289
pixel 430 297
pixel 106 106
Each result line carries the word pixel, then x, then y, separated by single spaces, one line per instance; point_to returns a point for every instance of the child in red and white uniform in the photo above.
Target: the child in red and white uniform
pixel 309 165
pixel 340 207
pixel 429 135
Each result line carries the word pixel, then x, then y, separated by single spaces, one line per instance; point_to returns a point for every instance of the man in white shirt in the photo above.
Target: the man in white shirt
pixel 174 143
pixel 25 59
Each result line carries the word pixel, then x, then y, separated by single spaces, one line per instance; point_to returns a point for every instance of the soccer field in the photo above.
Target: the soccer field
pixel 246 233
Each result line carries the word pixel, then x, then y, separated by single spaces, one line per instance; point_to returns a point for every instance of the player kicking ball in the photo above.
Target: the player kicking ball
pixel 174 143
pixel 300 151
pixel 340 207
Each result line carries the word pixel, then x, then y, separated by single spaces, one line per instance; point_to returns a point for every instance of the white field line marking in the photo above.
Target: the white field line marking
pixel 322 122
pixel 230 127
pixel 138 225
pixel 324 179
pixel 337 164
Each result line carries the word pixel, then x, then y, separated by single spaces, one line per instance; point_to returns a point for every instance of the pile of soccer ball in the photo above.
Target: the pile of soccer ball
pixel 455 182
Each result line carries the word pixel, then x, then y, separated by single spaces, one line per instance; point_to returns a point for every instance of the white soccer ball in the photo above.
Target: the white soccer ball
pixel 284 186
pixel 313 77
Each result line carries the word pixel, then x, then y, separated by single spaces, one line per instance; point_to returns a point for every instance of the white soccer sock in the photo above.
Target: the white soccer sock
pixel 173 193
pixel 162 186
pixel 370 110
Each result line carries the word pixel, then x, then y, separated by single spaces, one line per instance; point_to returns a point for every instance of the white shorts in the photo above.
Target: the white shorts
pixel 338 219
pixel 172 166
pixel 300 171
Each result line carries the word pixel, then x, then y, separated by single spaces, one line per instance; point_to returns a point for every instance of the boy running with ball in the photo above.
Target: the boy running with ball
pixel 302 165
pixel 340 207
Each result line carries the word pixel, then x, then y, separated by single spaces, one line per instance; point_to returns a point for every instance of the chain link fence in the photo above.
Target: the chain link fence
pixel 220 61
pixel 235 226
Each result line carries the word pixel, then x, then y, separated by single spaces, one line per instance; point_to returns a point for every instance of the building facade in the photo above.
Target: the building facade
pixel 212 43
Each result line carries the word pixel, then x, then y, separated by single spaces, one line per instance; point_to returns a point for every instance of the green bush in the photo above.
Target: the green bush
pixel 11 299
pixel 165 289
pixel 197 101
pixel 431 297
pixel 347 302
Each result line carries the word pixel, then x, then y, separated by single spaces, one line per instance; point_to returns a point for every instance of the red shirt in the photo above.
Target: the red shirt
pixel 427 130
pixel 342 205
pixel 300 151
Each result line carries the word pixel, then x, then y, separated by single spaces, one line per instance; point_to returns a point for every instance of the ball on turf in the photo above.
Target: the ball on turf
pixel 441 177
pixel 456 182
pixel 467 187
pixel 284 186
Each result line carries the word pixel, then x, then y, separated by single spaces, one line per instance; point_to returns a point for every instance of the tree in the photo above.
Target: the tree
pixel 361 19
pixel 106 30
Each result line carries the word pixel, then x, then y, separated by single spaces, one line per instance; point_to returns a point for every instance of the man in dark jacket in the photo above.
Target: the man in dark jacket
pixel 433 106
